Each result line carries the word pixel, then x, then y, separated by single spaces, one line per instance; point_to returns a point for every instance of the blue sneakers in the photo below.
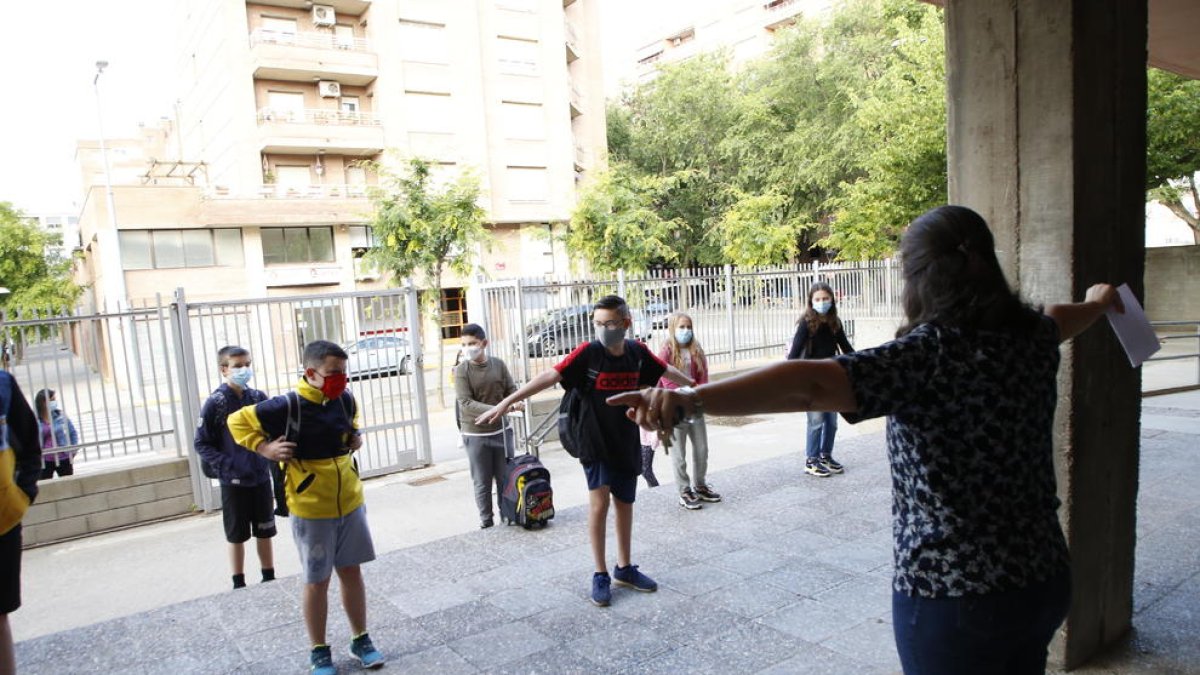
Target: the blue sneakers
pixel 601 589
pixel 631 577
pixel 362 649
pixel 320 661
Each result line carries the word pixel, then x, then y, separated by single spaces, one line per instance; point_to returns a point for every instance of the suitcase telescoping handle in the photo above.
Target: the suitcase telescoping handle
pixel 509 423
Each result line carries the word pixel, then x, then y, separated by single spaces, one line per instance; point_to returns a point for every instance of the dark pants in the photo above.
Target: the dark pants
pixel 1002 633
pixel 62 467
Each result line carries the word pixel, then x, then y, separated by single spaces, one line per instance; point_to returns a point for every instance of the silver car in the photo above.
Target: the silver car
pixel 379 355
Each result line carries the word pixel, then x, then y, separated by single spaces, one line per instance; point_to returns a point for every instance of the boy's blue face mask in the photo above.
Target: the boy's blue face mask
pixel 240 376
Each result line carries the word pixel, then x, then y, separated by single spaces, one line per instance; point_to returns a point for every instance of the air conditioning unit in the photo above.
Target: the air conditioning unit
pixel 323 15
pixel 329 88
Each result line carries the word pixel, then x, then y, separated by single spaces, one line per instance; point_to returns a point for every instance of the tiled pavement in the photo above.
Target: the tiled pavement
pixel 790 574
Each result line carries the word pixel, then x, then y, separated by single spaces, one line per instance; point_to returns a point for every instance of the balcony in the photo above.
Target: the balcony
pixel 303 57
pixel 781 13
pixel 342 7
pixel 572 39
pixel 581 158
pixel 577 101
pixel 289 192
pixel 310 131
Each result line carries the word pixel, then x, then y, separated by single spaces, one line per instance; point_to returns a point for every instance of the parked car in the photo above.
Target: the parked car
pixel 379 355
pixel 643 325
pixel 558 331
pixel 658 314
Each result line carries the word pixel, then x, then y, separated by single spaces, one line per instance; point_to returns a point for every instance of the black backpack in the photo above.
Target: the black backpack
pixel 578 426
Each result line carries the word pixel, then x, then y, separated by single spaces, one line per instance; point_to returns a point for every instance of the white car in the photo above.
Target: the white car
pixel 379 355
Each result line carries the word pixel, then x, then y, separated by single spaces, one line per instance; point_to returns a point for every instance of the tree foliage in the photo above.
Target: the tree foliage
pixel 426 229
pixel 1173 144
pixel 829 145
pixel 35 277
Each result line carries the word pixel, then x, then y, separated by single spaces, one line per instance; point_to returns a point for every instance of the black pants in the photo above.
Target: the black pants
pixel 63 467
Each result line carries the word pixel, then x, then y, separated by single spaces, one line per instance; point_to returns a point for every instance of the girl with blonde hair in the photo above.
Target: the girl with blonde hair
pixel 682 350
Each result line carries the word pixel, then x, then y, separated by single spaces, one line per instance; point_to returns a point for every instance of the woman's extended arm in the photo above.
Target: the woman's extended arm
pixel 1074 318
pixel 790 386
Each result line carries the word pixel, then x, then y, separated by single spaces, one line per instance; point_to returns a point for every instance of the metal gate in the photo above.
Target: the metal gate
pixel 380 332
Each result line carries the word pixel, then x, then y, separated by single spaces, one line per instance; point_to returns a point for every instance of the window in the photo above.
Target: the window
pixel 517 56
pixel 343 36
pixel 293 176
pixel 285 106
pixel 525 121
pixel 170 249
pixel 423 42
pixel 528 183
pixel 276 29
pixel 429 112
pixel 297 245
pixel 349 104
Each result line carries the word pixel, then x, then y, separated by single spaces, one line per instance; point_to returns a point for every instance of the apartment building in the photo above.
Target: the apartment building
pixel 744 27
pixel 277 102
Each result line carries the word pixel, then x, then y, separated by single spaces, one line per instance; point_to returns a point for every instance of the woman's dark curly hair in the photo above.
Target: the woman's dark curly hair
pixel 952 276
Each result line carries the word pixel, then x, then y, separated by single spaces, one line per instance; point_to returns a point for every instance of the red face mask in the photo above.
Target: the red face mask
pixel 334 385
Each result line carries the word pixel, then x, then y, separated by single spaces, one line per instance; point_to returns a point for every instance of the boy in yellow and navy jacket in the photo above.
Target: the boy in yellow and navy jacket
pixel 313 432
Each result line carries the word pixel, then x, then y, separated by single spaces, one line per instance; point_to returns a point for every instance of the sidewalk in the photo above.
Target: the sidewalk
pixel 789 574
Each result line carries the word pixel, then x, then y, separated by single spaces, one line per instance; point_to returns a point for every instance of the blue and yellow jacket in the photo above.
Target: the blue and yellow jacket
pixel 322 479
pixel 20 454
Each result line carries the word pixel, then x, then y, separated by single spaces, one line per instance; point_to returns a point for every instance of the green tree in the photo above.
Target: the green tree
pixel 427 229
pixel 1173 144
pixel 36 278
pixel 674 128
pixel 901 115
pixel 615 225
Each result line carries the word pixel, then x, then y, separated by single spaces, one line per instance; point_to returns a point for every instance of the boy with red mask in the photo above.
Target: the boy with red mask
pixel 313 432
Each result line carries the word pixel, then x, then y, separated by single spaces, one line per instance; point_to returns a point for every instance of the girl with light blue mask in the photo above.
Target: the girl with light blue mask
pixel 820 335
pixel 682 350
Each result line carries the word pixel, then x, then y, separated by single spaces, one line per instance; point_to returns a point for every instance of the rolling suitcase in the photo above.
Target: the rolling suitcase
pixel 527 499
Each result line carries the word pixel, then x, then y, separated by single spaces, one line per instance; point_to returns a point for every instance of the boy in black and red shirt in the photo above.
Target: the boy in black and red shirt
pixel 621 365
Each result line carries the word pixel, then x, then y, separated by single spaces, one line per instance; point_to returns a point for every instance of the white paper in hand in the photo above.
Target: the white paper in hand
pixel 1133 329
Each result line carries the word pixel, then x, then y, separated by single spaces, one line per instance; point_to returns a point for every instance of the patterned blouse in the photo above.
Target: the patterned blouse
pixel 969 437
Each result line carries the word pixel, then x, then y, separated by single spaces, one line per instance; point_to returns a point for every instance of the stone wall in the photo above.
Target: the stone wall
pixel 1173 283
pixel 78 506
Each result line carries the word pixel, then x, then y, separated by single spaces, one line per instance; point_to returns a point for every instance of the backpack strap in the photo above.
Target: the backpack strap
pixel 595 363
pixel 291 429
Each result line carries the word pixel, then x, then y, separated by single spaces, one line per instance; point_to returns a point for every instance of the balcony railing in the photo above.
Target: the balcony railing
pixel 327 191
pixel 310 40
pixel 318 116
pixel 773 5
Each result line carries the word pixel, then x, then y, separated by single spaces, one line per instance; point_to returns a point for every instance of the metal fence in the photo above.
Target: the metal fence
pixel 132 382
pixel 738 313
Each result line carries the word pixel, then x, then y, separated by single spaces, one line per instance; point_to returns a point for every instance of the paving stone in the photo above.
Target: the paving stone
pixel 575 620
pixel 553 661
pixel 806 578
pixel 816 659
pixel 857 556
pixel 519 603
pixel 441 660
pixel 871 642
pixel 798 542
pixel 808 619
pixel 747 600
pixel 612 650
pixel 502 644
pixel 462 620
pixel 697 579
pixel 863 597
pixel 432 598
pixel 752 561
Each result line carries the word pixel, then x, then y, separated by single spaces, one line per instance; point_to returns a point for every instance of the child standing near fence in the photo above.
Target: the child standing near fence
pixel 247 502
pixel 56 431
pixel 313 430
pixel 682 350
pixel 819 335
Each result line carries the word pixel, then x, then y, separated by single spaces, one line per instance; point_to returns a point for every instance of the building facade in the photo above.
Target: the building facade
pixel 279 100
pixel 744 27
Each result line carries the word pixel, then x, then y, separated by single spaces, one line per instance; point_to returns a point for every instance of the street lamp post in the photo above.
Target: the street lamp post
pixel 110 244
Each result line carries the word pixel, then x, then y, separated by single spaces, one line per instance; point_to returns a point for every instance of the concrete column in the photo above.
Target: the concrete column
pixel 1047 141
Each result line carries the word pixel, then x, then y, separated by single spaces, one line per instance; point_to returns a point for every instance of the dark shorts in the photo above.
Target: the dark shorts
pixel 620 485
pixel 248 510
pixel 10 571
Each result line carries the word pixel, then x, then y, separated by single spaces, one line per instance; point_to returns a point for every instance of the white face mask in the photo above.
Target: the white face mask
pixel 472 353
pixel 683 335
pixel 53 405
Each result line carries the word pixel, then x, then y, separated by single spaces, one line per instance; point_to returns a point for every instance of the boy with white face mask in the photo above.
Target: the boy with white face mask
pixel 247 502
pixel 480 382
